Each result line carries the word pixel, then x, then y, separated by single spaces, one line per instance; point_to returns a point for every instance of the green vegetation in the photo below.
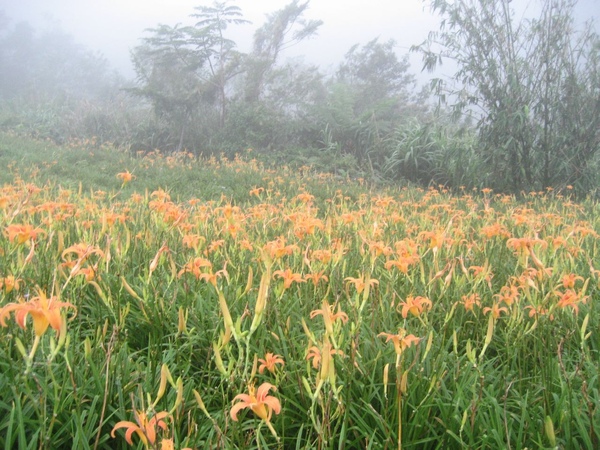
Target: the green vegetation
pixel 520 114
pixel 377 318
pixel 308 261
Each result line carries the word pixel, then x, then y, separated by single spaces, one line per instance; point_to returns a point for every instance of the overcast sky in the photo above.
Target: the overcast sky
pixel 113 27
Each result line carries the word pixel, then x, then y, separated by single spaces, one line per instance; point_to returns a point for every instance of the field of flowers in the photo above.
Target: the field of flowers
pixel 306 313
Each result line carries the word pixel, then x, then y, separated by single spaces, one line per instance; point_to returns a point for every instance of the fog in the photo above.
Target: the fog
pixel 315 100
pixel 114 27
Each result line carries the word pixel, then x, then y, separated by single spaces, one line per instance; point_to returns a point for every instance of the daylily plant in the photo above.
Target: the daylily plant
pixel 401 340
pixel 259 401
pixel 43 310
pixel 270 363
pixel 144 427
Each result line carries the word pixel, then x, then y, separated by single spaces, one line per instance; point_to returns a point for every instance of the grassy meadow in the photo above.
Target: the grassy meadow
pixel 167 302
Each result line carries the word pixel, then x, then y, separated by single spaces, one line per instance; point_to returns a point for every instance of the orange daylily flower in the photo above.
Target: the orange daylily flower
pixel 193 240
pixel 22 233
pixel 245 244
pixel 436 239
pixel 470 301
pixel 524 246
pixel 482 273
pixel 305 197
pixel 383 202
pixel 4 202
pixel 258 400
pixel 414 306
pixel 508 294
pixel 89 273
pixel 401 340
pixel 378 248
pixel 212 277
pixel 568 281
pixel 257 191
pixel 328 316
pixel 9 283
pixel 496 310
pixel 348 218
pixel 570 298
pixel 495 230
pixel 270 362
pixel 43 310
pixel 288 277
pixel 305 225
pixel 360 283
pixel 168 444
pixel 161 195
pixel 316 277
pixel 215 245
pixel 126 177
pixel 530 276
pixel 321 255
pixel 228 210
pixel 111 218
pixel 277 248
pixel 315 354
pixel 194 267
pixel 539 311
pixel 136 198
pixel 145 427
pixel 402 263
pixel 82 251
pixel 557 242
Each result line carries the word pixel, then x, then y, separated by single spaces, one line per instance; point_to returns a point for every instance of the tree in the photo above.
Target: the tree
pixel 283 115
pixel 49 64
pixel 283 29
pixel 376 74
pixel 222 58
pixel 533 84
pixel 184 71
pixel 370 95
pixel 275 99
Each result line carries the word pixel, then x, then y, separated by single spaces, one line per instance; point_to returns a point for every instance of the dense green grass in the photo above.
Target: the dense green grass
pixel 526 378
pixel 88 167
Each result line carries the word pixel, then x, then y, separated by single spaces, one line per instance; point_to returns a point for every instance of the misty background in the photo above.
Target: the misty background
pixel 339 85
pixel 114 27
